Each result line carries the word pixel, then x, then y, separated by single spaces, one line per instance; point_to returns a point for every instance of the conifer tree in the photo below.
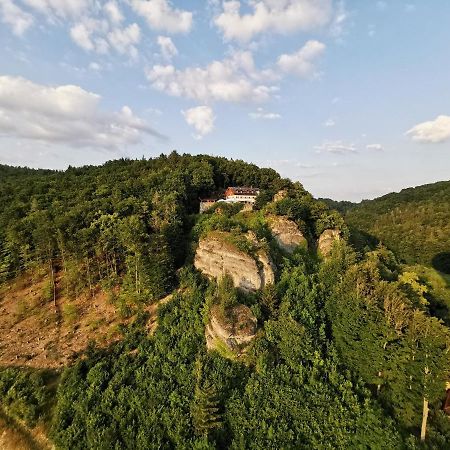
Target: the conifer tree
pixel 205 411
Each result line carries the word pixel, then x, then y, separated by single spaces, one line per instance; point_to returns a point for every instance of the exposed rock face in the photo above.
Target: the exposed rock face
pixel 235 331
pixel 283 193
pixel 267 273
pixel 326 241
pixel 286 233
pixel 215 256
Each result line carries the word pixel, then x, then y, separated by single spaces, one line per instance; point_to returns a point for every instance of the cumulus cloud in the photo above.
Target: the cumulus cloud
pixel 161 15
pixel 167 47
pixel 433 131
pixel 278 16
pixel 66 115
pixel 201 118
pixel 260 113
pixel 337 147
pixel 15 17
pixel 302 62
pixel 115 15
pixel 100 36
pixel 92 27
pixel 329 123
pixel 123 40
pixel 234 79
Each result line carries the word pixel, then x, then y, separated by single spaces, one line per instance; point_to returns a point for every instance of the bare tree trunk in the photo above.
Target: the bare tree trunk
pixel 53 282
pixel 423 430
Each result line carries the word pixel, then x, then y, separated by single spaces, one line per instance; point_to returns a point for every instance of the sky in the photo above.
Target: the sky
pixel 351 98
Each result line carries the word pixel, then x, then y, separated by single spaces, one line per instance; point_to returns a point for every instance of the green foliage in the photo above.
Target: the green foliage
pixel 164 391
pixel 383 333
pixel 125 221
pixel 24 395
pixel 70 312
pixel 346 349
pixel 205 410
pixel 414 223
pixel 226 295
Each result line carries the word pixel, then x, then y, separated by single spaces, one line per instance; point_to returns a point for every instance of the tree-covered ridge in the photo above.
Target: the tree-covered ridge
pixel 414 223
pixel 121 222
pixel 346 353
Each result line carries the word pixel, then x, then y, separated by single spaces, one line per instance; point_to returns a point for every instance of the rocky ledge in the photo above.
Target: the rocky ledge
pixel 216 256
pixel 326 241
pixel 286 233
pixel 234 329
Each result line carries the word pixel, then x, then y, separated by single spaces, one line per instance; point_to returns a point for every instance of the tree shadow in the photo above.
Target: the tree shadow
pixel 361 241
pixel 441 262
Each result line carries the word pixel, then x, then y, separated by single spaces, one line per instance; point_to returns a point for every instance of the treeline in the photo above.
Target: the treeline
pixel 120 223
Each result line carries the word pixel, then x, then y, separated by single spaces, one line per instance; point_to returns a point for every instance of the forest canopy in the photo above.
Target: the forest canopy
pixel 349 351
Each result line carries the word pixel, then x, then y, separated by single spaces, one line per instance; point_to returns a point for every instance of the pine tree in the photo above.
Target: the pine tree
pixel 205 411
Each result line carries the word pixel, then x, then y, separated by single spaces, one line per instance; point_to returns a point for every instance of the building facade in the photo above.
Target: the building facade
pixel 241 194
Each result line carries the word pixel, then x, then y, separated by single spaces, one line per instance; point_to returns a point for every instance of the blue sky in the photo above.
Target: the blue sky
pixel 351 98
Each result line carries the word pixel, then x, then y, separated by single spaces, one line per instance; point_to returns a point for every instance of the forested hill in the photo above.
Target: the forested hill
pixel 237 328
pixel 96 217
pixel 414 223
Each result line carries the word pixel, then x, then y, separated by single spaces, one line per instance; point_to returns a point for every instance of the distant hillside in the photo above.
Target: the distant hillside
pixel 414 223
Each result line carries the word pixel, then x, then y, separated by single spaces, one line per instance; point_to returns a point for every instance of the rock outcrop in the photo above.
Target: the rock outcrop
pixel 286 233
pixel 326 241
pixel 234 329
pixel 217 256
pixel 280 195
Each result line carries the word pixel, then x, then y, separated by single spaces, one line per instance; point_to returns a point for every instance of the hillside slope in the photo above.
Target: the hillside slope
pixel 325 345
pixel 414 223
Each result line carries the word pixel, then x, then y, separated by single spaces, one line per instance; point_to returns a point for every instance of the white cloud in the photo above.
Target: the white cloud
pixel 66 115
pixel 337 147
pixel 329 123
pixel 375 147
pixel 123 40
pixel 100 36
pixel 167 47
pixel 302 62
pixel 260 113
pixel 201 118
pixel 114 13
pixel 234 79
pixel 81 35
pixel 278 16
pixel 161 15
pixel 60 8
pixel 433 131
pixel 15 17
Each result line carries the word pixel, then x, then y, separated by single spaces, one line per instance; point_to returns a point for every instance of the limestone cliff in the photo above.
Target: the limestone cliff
pixel 234 329
pixel 326 241
pixel 216 256
pixel 286 233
